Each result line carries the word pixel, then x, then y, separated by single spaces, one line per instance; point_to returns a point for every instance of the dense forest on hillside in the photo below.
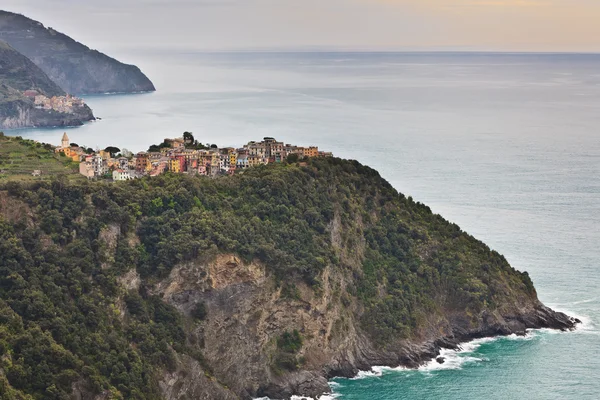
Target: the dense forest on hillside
pixel 60 321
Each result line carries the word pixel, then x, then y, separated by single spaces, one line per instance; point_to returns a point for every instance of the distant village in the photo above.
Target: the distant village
pixel 63 104
pixel 182 155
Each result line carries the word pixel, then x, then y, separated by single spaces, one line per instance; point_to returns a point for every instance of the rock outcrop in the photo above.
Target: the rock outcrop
pixel 72 65
pixel 246 313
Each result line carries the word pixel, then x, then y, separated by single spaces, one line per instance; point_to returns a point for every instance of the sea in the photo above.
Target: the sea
pixel 505 145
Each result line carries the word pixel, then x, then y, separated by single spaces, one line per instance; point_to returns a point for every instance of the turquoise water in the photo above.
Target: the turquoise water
pixel 507 146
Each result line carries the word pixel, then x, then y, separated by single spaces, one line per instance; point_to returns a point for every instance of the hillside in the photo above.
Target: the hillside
pixel 264 283
pixel 18 72
pixel 72 65
pixel 20 157
pixel 17 75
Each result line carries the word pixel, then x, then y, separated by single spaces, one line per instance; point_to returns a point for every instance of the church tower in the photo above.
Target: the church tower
pixel 65 141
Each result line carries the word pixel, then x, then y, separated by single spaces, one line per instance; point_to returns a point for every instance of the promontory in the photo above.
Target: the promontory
pixel 264 283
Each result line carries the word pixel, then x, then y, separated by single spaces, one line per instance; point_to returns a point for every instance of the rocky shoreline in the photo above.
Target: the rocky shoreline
pixel 415 355
pixel 22 114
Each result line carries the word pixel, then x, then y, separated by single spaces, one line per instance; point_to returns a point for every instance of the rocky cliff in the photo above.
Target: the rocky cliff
pixel 265 283
pixel 18 75
pixel 72 65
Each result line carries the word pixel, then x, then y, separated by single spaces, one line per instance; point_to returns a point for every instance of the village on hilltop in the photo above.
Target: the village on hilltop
pixel 182 155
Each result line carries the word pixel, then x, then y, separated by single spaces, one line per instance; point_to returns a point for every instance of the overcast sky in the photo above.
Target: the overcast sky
pixel 504 25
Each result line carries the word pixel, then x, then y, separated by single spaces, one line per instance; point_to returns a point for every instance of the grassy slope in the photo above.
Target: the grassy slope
pixel 18 159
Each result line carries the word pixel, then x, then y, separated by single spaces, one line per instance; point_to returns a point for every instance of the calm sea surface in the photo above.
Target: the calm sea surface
pixel 505 145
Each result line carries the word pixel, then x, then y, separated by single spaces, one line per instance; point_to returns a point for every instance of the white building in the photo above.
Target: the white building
pixel 122 175
pixel 99 165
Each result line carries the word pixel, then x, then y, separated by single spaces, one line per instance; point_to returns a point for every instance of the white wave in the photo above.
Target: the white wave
pixel 531 333
pixel 367 374
pixel 453 359
pixel 330 396
pixel 587 325
pixel 322 397
pixel 376 372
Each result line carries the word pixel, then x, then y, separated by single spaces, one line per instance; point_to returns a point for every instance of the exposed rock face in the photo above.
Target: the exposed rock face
pixel 191 381
pixel 247 313
pixel 23 114
pixel 72 65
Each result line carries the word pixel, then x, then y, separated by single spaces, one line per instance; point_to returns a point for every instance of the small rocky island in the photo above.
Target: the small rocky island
pixel 267 282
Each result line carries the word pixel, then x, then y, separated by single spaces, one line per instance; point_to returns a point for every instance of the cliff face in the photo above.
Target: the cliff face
pixel 22 113
pixel 17 75
pixel 262 284
pixel 72 65
pixel 248 313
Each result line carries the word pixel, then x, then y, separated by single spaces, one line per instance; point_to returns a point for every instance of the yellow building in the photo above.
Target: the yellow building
pixel 233 158
pixel 214 161
pixel 311 151
pixel 174 166
pixel 73 154
pixel 254 161
pixel 104 154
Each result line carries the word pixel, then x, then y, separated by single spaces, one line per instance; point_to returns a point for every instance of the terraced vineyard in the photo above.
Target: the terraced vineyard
pixel 19 158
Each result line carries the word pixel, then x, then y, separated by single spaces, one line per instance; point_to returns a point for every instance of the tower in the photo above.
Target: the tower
pixel 65 141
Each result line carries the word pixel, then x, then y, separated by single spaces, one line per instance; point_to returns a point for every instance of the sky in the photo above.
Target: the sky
pixel 214 25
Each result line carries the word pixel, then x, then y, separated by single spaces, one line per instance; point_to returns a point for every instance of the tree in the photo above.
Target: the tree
pixel 74 145
pixel 112 150
pixel 188 138
pixel 292 158
pixel 199 311
pixel 126 153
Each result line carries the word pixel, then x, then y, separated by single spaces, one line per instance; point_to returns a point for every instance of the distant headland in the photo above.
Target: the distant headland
pixel 41 70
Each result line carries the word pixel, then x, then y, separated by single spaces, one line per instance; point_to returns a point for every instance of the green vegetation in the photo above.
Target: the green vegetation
pixel 188 138
pixel 288 345
pixel 20 157
pixel 199 311
pixel 157 147
pixel 19 74
pixel 290 342
pixel 65 319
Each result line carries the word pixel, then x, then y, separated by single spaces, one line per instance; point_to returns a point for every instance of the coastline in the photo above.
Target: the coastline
pixel 413 355
pixel 455 358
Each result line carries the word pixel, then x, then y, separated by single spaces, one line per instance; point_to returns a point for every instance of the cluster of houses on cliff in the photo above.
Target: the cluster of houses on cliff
pixel 183 156
pixel 63 104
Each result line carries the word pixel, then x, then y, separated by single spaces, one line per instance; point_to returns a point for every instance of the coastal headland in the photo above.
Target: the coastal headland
pixel 264 282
